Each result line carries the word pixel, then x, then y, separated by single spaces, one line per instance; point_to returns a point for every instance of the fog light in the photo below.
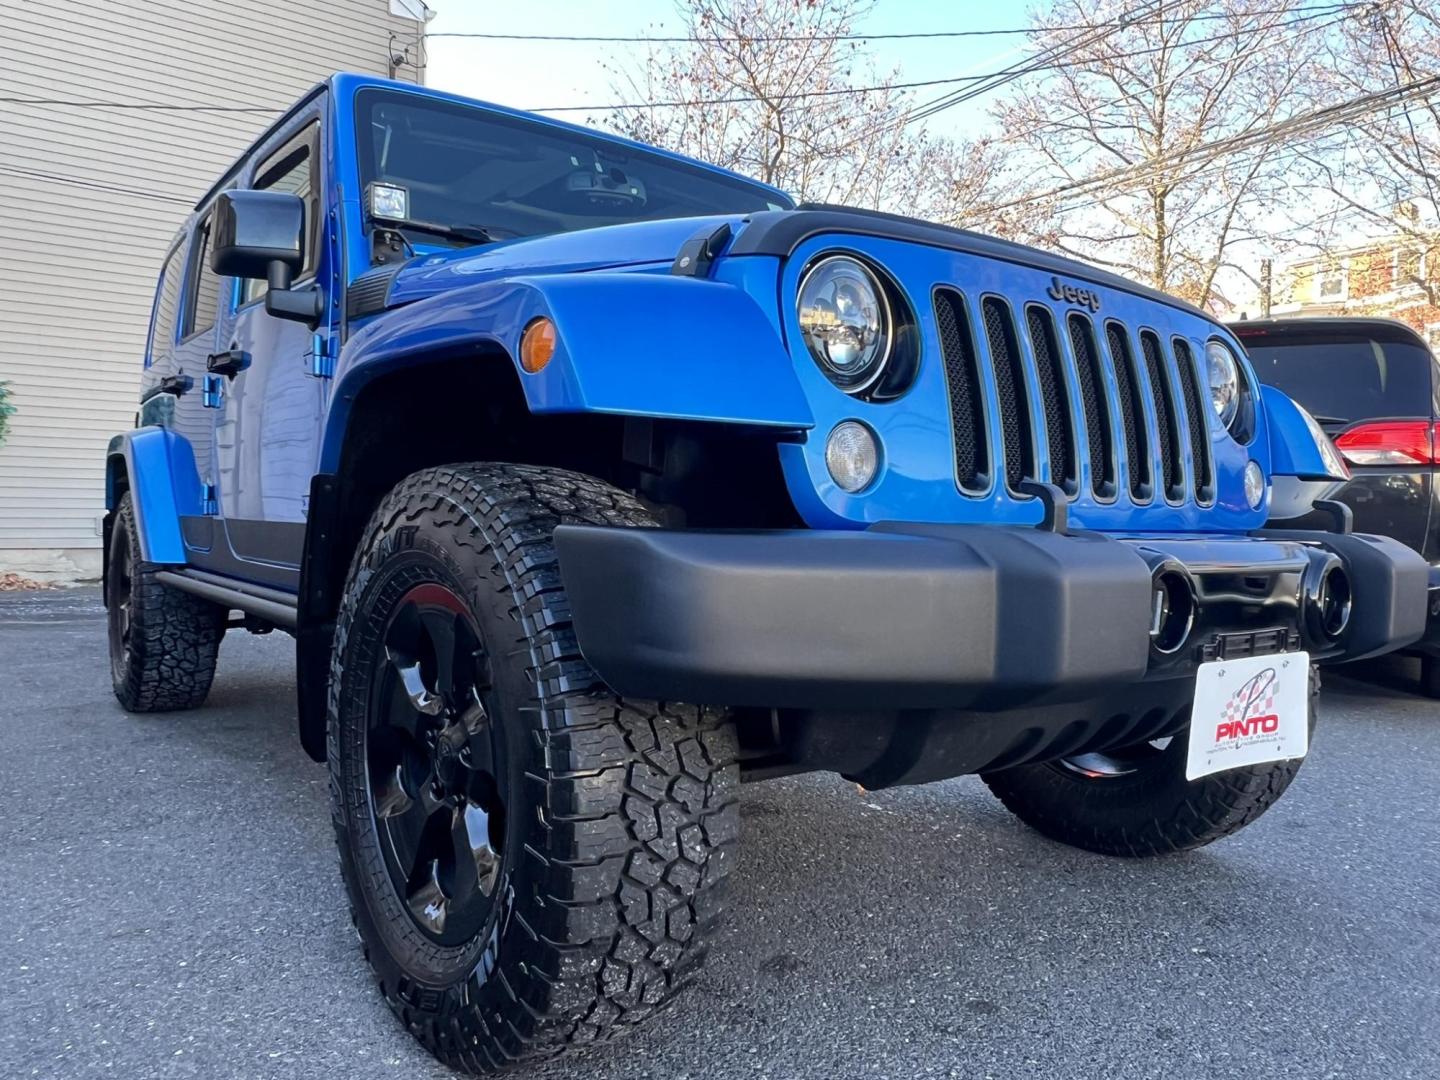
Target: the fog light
pixel 851 455
pixel 1254 485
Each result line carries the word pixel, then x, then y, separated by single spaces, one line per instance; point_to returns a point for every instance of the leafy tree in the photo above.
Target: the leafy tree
pixel 7 410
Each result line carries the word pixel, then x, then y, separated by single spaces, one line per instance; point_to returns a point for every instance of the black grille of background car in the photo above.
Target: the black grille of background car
pixel 1075 421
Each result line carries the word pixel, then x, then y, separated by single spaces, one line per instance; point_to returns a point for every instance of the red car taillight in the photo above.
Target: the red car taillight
pixel 1390 442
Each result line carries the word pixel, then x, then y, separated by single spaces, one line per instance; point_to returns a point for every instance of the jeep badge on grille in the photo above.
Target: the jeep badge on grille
pixel 1071 295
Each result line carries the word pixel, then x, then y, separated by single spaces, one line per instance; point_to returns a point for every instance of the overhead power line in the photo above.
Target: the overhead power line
pixel 1052 58
pixel 93 185
pixel 1011 31
pixel 959 97
pixel 1285 130
pixel 1035 62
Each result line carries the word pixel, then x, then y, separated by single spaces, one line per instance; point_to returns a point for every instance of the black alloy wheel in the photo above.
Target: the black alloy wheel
pixel 119 587
pixel 533 862
pixel 437 784
pixel 163 642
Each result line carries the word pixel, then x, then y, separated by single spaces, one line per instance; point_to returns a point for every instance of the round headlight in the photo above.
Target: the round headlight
pixel 1224 376
pixel 845 320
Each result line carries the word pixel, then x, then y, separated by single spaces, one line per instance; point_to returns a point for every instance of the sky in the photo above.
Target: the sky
pixel 534 74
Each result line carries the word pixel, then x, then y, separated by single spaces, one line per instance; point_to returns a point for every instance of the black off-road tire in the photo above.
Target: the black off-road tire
pixel 163 642
pixel 1152 811
pixel 624 814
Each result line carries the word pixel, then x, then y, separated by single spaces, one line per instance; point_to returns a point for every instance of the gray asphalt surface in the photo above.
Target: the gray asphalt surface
pixel 170 907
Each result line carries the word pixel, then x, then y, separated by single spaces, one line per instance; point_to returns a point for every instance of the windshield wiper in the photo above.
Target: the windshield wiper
pixel 1329 419
pixel 475 234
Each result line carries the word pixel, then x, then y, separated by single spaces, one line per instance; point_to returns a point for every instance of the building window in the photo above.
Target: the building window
pixel 1330 283
pixel 1409 267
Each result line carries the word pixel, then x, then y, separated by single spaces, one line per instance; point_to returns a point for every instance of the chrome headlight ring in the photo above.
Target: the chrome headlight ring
pixel 1222 373
pixel 846 321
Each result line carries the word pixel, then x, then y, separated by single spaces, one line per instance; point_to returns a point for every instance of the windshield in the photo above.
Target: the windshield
pixel 1345 377
pixel 495 177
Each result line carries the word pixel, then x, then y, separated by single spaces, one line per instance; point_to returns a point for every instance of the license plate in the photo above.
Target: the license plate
pixel 1249 711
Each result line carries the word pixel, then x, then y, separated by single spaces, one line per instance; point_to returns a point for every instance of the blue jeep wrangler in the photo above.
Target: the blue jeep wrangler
pixel 591 481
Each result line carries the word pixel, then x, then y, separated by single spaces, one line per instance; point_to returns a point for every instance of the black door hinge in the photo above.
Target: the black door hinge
pixel 228 363
pixel 170 384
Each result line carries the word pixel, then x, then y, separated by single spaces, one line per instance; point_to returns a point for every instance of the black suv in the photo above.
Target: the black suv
pixel 1372 384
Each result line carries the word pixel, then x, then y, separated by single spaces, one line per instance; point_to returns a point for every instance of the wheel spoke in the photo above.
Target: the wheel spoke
pixel 477 863
pixel 412 684
pixel 405 825
pixel 427 900
pixel 441 630
pixel 391 798
pixel 479 753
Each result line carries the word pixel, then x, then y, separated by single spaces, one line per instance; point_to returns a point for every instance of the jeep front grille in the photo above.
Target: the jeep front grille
pixel 967 415
pixel 1058 401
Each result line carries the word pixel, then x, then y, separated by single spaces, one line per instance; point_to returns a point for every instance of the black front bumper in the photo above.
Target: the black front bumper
pixel 956 617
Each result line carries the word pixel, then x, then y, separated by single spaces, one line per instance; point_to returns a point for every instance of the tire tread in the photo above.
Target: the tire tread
pixel 636 802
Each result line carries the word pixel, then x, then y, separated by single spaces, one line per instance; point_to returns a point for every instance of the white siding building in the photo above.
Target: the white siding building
pixel 115 116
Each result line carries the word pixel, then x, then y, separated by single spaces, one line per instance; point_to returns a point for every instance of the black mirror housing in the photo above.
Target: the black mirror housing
pixel 258 234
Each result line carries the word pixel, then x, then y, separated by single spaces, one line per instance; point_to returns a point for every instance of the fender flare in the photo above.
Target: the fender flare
pixel 158 468
pixel 1297 445
pixel 629 343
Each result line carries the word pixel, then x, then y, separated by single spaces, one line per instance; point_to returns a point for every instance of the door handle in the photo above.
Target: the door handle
pixel 228 363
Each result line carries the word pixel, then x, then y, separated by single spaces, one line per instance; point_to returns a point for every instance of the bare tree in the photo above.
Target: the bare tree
pixel 1122 130
pixel 1384 174
pixel 775 89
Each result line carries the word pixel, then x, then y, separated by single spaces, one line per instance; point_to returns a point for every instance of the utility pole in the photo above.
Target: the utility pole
pixel 1266 286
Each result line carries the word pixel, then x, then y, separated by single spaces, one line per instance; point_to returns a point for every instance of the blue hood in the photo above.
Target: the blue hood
pixel 604 248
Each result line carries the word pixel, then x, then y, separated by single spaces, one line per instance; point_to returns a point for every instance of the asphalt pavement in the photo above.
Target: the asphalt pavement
pixel 170 907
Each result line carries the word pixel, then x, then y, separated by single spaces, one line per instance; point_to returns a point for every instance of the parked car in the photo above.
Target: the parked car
pixel 592 480
pixel 1372 385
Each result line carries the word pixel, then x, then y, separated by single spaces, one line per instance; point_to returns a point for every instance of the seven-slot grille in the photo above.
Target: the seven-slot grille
pixel 1073 418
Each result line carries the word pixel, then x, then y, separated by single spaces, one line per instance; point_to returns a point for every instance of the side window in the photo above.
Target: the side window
pixel 167 306
pixel 292 169
pixel 203 295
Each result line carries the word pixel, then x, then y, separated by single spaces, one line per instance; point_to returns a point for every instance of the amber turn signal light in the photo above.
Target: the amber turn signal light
pixel 537 344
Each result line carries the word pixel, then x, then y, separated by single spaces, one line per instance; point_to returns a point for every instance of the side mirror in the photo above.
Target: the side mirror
pixel 261 234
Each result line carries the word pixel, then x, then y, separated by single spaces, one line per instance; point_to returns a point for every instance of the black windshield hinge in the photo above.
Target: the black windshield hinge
pixel 699 252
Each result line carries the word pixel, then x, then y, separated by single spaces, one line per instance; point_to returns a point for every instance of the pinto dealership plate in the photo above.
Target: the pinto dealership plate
pixel 1249 711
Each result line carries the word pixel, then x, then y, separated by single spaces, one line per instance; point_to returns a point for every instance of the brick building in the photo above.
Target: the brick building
pixel 1397 276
